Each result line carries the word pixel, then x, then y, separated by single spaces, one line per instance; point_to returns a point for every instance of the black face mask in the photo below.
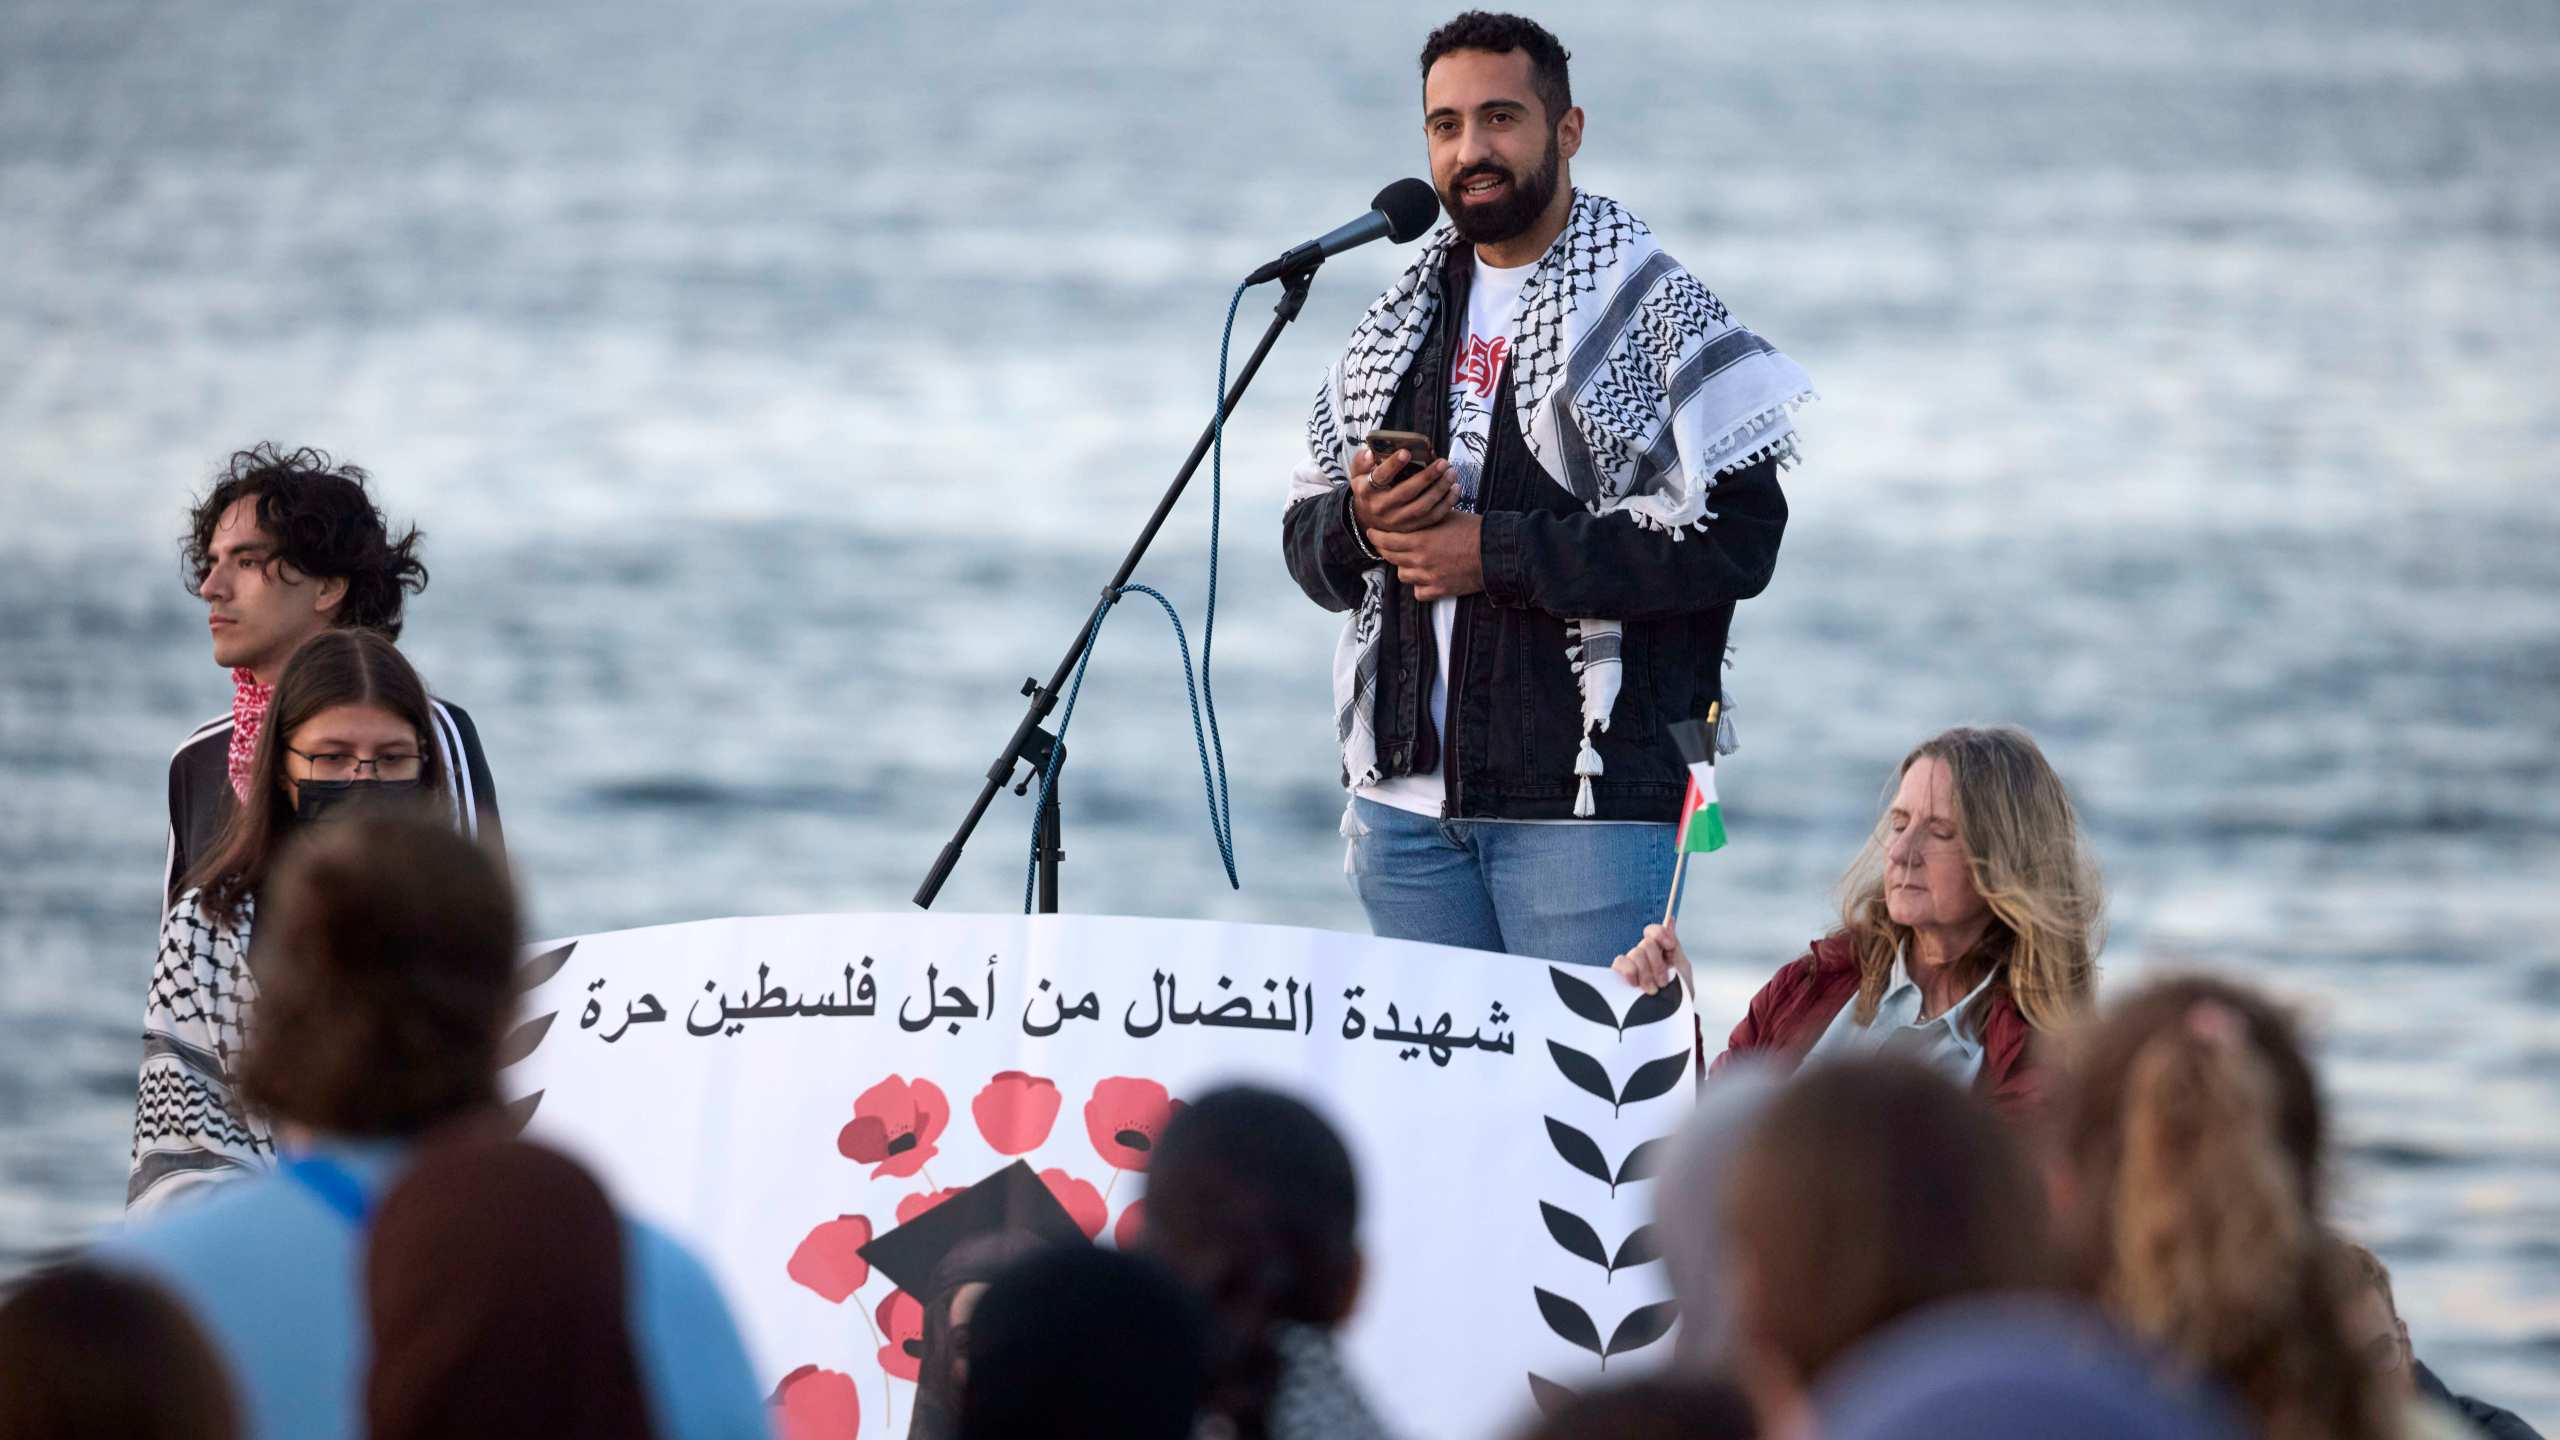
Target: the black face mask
pixel 314 799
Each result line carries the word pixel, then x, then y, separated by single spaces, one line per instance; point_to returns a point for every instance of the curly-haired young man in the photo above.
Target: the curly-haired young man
pixel 288 544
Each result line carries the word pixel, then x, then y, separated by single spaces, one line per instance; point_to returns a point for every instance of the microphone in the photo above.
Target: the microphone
pixel 1400 212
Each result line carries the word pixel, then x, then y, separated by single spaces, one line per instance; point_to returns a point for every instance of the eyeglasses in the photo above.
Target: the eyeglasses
pixel 339 765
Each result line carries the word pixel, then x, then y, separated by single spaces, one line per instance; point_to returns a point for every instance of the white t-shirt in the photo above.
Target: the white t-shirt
pixel 1493 309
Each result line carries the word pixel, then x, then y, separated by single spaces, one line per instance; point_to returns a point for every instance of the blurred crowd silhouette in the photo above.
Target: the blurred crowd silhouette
pixel 1864 1247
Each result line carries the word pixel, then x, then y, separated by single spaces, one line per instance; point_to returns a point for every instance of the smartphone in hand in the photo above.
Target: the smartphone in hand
pixel 1383 445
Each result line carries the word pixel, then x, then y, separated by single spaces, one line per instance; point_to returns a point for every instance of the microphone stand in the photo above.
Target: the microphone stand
pixel 1031 742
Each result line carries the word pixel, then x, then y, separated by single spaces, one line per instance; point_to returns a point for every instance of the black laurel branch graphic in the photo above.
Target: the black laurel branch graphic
pixel 1642 1327
pixel 1575 1234
pixel 1653 1078
pixel 1640 1247
pixel 1583 1243
pixel 1572 1324
pixel 519 1113
pixel 1586 1073
pixel 1583 1153
pixel 543 966
pixel 1660 1005
pixel 1551 1397
pixel 521 1040
pixel 1585 1000
pixel 1640 1164
pixel 1582 999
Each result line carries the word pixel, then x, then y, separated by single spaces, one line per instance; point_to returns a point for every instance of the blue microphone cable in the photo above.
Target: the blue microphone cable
pixel 1204 699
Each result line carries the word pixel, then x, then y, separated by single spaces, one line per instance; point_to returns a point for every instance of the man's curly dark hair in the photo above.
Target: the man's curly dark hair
pixel 1502 34
pixel 324 524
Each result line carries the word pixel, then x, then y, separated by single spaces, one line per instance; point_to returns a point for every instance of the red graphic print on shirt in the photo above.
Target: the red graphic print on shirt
pixel 1479 366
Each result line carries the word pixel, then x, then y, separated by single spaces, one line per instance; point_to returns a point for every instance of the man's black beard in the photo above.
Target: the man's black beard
pixel 1512 216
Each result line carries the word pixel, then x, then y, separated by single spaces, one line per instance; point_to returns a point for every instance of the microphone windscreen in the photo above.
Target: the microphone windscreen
pixel 1410 206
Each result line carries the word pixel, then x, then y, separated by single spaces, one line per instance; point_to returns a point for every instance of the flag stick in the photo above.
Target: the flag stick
pixel 1680 866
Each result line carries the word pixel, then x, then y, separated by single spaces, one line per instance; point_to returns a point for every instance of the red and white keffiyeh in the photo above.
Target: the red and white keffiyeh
pixel 248 717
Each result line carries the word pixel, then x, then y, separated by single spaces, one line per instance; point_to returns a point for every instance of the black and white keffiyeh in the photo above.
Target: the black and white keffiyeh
pixel 1316 1398
pixel 190 1126
pixel 1636 391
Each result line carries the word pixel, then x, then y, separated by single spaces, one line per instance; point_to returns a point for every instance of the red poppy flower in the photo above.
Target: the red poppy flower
pixel 1016 1111
pixel 1133 1223
pixel 1125 1118
pixel 894 1126
pixel 1082 1202
pixel 902 1323
pixel 830 1260
pixel 815 1404
pixel 915 1205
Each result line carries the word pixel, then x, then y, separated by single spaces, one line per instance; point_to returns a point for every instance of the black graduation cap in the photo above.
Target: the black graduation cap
pixel 1011 1199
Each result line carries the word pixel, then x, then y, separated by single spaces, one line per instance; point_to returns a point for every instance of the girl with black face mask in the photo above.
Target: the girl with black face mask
pixel 348 728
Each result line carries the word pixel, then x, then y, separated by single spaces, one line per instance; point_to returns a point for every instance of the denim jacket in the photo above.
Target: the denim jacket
pixel 1515 712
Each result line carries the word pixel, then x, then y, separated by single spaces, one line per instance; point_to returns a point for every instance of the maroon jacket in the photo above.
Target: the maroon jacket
pixel 1798 1003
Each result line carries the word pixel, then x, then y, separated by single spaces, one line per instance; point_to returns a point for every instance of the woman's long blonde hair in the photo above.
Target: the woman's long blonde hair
pixel 2023 844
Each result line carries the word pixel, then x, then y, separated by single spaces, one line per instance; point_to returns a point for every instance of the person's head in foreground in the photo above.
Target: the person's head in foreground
pixel 2011 1367
pixel 385 956
pixel 1689 1204
pixel 496 1297
pixel 2191 1180
pixel 2374 1326
pixel 348 728
pixel 1077 1343
pixel 89 1352
pixel 1866 1190
pixel 950 1301
pixel 1253 1204
pixel 2380 1338
pixel 385 952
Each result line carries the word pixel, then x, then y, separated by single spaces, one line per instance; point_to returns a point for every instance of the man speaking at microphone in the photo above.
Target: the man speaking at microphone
pixel 1536 601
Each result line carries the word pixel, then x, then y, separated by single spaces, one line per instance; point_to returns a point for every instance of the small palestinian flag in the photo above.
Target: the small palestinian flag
pixel 1701 819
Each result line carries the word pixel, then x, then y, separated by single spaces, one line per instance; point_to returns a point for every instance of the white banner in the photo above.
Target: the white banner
pixel 784 1092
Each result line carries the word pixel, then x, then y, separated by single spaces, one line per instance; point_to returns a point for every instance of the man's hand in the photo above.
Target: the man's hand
pixel 1441 563
pixel 1385 497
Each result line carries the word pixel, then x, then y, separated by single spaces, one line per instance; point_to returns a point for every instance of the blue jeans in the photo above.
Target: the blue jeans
pixel 1578 894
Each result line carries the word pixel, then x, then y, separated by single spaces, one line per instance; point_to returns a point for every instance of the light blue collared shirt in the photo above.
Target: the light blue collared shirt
pixel 1950 1044
pixel 275 1277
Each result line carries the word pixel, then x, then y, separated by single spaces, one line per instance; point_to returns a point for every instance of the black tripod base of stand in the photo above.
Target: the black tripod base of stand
pixel 1051 847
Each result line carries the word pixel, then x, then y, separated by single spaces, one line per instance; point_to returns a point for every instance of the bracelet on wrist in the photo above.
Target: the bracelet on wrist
pixel 1359 539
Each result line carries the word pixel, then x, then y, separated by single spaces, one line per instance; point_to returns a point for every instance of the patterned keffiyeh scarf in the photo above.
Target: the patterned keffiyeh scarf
pixel 1636 392
pixel 1316 1398
pixel 248 717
